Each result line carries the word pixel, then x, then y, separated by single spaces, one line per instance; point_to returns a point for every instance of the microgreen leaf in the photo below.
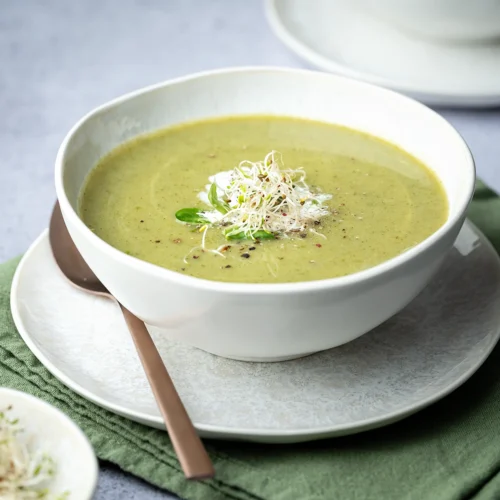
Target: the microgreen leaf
pixel 214 200
pixel 191 216
pixel 263 235
pixel 236 236
pixel 257 235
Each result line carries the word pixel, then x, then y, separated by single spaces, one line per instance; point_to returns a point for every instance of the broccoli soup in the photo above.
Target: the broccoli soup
pixel 262 200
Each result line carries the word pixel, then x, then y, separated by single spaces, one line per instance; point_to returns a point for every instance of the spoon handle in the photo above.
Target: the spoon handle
pixel 192 455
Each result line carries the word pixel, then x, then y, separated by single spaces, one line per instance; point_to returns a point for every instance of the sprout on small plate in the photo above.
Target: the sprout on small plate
pixel 25 474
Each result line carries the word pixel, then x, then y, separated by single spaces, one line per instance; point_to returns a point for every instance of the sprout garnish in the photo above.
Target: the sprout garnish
pixel 24 475
pixel 257 201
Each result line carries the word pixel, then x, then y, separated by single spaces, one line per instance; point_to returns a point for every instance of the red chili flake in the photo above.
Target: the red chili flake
pixel 318 245
pixel 177 240
pixel 283 214
pixel 225 248
pixel 196 256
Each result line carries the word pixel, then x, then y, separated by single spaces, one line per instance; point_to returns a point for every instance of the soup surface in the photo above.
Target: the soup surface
pixel 383 201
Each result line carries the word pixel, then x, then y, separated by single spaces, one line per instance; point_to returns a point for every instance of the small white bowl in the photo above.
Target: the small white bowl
pixel 266 322
pixel 49 430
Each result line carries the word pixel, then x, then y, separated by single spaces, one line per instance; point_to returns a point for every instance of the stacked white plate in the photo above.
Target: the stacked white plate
pixel 347 38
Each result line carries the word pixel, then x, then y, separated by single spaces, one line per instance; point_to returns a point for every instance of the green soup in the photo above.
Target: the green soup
pixel 384 201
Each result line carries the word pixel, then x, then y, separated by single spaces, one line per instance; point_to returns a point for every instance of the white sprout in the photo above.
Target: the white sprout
pixel 258 200
pixel 24 475
pixel 263 196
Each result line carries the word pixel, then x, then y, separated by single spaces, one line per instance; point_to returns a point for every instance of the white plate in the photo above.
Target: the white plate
pixel 414 359
pixel 46 429
pixel 338 36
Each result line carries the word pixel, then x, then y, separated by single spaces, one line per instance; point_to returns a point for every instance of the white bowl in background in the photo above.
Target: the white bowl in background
pixel 441 20
pixel 47 429
pixel 266 322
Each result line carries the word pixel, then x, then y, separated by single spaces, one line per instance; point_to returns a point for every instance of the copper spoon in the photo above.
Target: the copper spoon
pixel 192 455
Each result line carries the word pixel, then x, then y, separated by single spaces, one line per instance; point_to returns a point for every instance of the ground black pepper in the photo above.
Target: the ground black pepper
pixel 245 255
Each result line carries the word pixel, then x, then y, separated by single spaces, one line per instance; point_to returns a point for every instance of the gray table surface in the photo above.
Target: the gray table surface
pixel 59 59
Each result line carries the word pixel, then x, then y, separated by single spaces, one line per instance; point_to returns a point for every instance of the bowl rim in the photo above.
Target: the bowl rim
pixel 260 288
pixel 38 404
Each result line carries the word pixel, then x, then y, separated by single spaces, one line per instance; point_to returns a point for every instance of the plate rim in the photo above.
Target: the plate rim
pixel 248 434
pixel 318 60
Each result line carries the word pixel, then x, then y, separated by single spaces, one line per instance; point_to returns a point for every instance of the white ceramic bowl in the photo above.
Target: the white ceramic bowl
pixel 46 429
pixel 266 322
pixel 441 20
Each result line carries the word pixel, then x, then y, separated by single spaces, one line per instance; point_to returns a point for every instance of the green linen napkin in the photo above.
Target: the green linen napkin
pixel 448 451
